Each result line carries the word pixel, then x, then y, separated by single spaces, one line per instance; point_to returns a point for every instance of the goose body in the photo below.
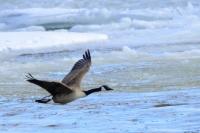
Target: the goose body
pixel 69 88
pixel 66 98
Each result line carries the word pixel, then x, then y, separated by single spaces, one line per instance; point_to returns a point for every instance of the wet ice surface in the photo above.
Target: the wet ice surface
pixel 143 45
pixel 113 112
pixel 136 46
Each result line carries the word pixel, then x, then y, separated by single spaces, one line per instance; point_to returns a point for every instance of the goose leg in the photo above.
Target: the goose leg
pixel 43 100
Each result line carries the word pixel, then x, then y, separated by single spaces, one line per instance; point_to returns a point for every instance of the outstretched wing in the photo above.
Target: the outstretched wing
pixel 52 87
pixel 80 68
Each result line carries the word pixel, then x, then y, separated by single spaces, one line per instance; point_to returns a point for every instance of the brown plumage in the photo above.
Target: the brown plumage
pixel 80 68
pixel 69 88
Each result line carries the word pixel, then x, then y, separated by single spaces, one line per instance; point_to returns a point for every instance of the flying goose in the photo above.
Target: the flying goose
pixel 69 88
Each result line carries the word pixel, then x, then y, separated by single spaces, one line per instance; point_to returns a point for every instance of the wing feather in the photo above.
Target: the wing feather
pixel 52 87
pixel 80 68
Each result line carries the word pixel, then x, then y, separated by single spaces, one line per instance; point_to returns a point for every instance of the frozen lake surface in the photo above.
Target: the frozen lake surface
pixel 144 45
pixel 115 112
pixel 148 51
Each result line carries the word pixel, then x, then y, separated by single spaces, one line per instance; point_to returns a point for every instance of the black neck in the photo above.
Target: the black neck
pixel 88 92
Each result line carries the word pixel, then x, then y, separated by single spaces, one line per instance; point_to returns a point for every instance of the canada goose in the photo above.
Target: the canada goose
pixel 69 88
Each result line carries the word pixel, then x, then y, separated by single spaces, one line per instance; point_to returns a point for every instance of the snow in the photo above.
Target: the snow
pixel 115 112
pixel 46 41
pixel 146 25
pixel 144 46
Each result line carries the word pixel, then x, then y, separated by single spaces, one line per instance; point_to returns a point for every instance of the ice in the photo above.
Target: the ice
pixel 166 23
pixel 49 18
pixel 31 28
pixel 25 42
pixel 137 47
pixel 170 112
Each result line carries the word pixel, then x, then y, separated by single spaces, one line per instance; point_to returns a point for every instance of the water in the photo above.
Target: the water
pixel 135 45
